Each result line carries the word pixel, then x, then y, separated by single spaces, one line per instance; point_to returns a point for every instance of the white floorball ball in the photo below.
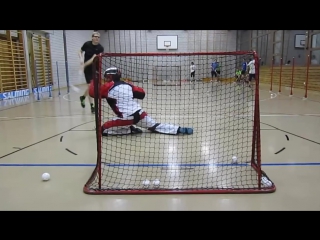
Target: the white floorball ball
pixel 156 182
pixel 45 176
pixel 266 182
pixel 146 182
pixel 234 159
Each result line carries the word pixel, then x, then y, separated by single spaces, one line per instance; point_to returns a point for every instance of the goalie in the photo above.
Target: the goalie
pixel 121 97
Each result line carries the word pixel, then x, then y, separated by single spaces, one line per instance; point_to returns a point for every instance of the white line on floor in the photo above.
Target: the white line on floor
pixel 173 116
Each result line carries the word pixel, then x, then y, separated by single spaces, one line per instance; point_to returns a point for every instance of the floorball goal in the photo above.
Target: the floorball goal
pixel 223 155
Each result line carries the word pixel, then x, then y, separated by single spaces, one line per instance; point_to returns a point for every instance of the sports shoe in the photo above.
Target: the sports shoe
pixel 135 130
pixel 92 109
pixel 185 130
pixel 102 133
pixel 82 100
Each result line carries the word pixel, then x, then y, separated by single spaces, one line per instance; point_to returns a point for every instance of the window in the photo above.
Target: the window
pixel 315 41
pixel 277 60
pixel 278 36
pixel 277 48
pixel 254 44
pixel 254 33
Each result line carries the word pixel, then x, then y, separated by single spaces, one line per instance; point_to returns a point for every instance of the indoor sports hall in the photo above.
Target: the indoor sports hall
pixel 251 99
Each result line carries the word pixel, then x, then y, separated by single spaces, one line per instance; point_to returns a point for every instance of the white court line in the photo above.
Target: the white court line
pixel 273 95
pixel 50 117
pixel 22 117
pixel 175 116
pixel 66 98
pixel 41 117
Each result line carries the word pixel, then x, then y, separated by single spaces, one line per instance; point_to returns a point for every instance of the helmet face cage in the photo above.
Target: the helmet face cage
pixel 115 72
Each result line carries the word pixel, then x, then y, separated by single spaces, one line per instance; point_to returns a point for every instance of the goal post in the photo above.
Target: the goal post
pixel 166 75
pixel 223 155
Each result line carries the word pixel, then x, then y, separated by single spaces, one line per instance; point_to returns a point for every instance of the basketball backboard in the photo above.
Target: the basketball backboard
pixel 165 42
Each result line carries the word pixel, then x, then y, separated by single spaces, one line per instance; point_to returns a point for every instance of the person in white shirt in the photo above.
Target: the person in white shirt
pixel 252 70
pixel 192 71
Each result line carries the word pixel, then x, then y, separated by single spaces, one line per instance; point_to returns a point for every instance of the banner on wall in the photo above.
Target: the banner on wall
pixel 42 89
pixel 24 92
pixel 14 94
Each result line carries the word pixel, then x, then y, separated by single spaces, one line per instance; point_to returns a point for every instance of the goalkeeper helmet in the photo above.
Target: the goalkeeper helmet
pixel 115 72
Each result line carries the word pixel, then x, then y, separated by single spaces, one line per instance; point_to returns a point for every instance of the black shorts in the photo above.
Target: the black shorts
pixel 88 74
pixel 243 72
pixel 215 73
pixel 192 74
pixel 252 76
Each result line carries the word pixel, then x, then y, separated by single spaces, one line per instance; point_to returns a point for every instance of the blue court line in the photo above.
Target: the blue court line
pixel 151 165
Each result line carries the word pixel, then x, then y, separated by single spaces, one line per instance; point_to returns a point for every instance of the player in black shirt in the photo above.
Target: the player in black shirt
pixel 91 49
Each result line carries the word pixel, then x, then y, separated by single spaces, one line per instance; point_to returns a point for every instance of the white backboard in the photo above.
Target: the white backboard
pixel 167 42
pixel 299 41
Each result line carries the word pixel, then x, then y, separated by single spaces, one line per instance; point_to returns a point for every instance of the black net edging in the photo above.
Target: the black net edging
pixel 224 115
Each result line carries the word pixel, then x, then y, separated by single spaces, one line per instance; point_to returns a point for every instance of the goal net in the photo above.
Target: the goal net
pixel 166 75
pixel 223 155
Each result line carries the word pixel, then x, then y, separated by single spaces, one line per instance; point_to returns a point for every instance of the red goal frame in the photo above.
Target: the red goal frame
pixel 256 138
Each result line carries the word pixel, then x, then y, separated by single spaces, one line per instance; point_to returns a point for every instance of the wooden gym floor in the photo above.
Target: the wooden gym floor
pixel 36 134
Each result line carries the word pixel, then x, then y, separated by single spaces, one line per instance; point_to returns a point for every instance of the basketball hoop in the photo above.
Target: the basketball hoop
pixel 167 44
